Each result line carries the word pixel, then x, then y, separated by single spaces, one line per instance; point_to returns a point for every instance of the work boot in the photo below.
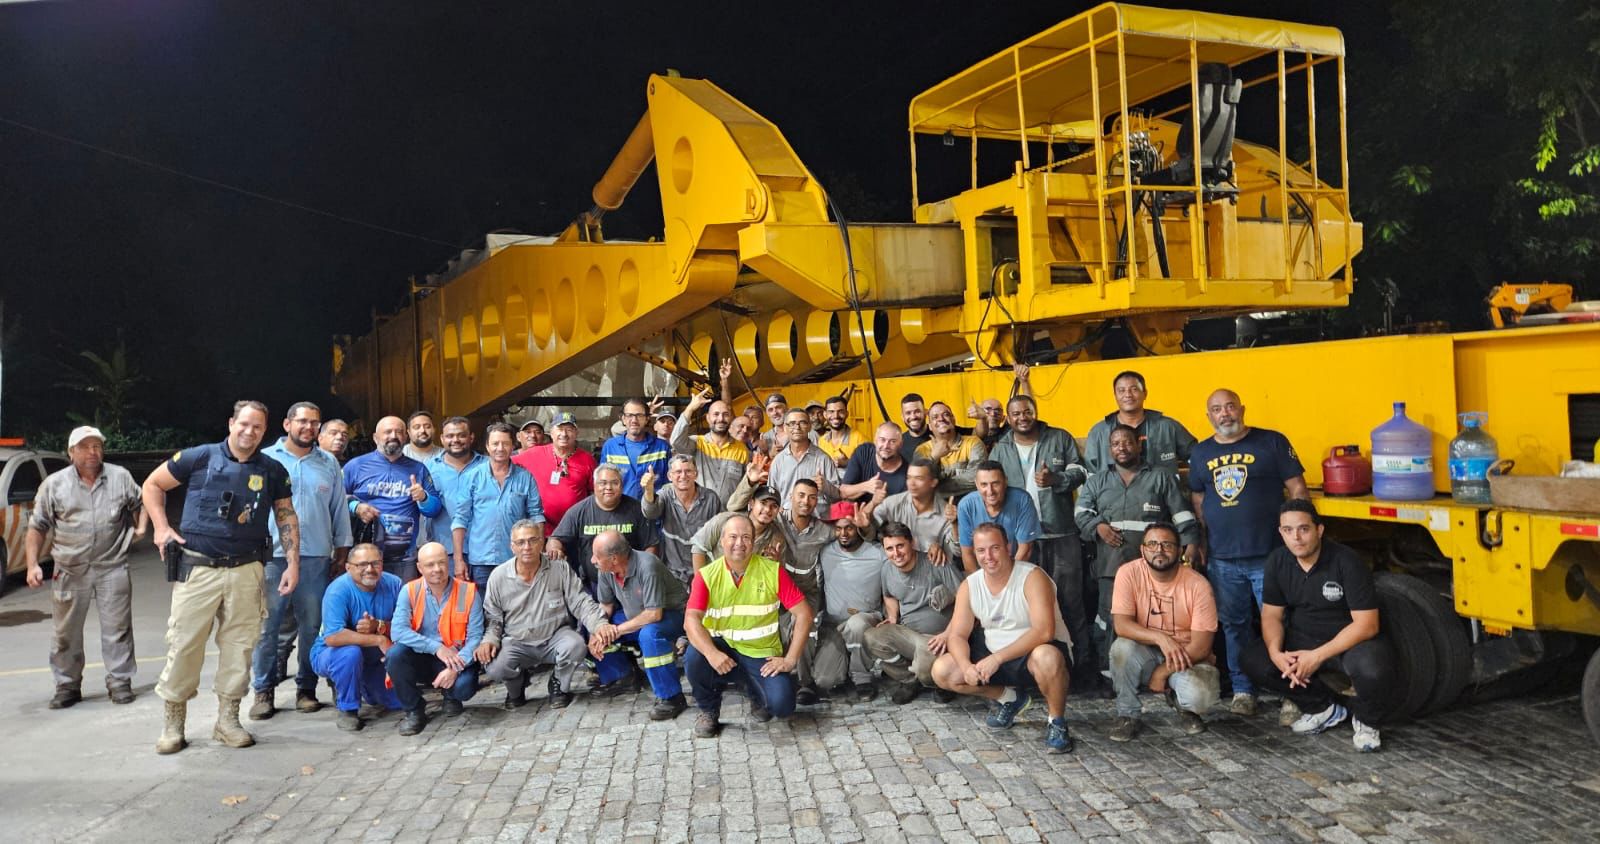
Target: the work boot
pixel 414 721
pixel 305 700
pixel 1125 728
pixel 349 721
pixel 228 730
pixel 120 694
pixel 172 739
pixel 624 685
pixel 558 698
pixel 1288 713
pixel 668 708
pixel 450 707
pixel 706 726
pixel 65 696
pixel 1243 704
pixel 904 693
pixel 264 707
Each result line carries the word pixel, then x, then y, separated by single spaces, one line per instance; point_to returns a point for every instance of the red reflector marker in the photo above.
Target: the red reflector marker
pixel 1575 529
pixel 1383 511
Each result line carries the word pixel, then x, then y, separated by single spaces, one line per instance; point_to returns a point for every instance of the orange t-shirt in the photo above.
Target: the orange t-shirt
pixel 1175 608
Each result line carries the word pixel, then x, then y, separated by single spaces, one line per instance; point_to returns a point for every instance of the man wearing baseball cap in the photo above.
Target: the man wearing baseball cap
pixel 852 582
pixel 96 513
pixel 530 435
pixel 563 472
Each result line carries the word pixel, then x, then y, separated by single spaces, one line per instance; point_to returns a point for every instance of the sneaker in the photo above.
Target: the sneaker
pixel 66 696
pixel 450 707
pixel 1315 722
pixel 558 698
pixel 1056 736
pixel 305 700
pixel 1367 739
pixel 1288 713
pixel 1125 728
pixel 668 708
pixel 348 721
pixel 806 696
pixel 1003 715
pixel 1190 723
pixel 414 721
pixel 1243 704
pixel 263 707
pixel 904 693
pixel 707 726
pixel 120 694
pixel 759 713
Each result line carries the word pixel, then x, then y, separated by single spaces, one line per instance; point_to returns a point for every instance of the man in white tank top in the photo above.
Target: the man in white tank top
pixel 1024 646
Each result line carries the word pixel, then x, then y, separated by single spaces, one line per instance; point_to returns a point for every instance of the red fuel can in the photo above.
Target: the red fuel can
pixel 1346 472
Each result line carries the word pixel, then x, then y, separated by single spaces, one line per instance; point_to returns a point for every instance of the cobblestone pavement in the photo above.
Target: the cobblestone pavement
pixel 1519 770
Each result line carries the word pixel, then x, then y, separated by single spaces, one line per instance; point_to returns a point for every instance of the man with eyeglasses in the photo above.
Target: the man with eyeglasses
pixel 319 501
pixel 529 609
pixel 563 472
pixel 608 509
pixel 1165 621
pixel 637 449
pixel 800 458
pixel 353 638
pixel 1114 507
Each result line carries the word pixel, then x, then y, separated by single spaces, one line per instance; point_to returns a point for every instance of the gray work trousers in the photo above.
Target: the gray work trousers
pixel 841 648
pixel 111 589
pixel 517 659
pixel 805 675
pixel 1132 663
pixel 902 652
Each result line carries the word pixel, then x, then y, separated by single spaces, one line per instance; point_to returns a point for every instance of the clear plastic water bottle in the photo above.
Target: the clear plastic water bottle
pixel 1402 459
pixel 1472 452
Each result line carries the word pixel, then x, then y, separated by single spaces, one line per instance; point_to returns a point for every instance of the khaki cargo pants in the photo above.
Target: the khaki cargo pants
pixel 227 600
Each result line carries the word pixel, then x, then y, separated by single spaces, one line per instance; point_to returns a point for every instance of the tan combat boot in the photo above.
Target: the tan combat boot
pixel 228 730
pixel 172 740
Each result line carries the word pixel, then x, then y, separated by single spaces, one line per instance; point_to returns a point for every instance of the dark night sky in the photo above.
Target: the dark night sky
pixel 445 120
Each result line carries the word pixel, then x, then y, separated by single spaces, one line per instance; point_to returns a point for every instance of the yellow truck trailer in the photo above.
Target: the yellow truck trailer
pixel 1089 181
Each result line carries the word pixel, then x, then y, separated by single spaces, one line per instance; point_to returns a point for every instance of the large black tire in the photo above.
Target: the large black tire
pixel 1416 664
pixel 1591 695
pixel 1452 647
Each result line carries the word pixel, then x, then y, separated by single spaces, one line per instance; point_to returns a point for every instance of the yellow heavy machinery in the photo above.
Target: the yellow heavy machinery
pixel 1105 194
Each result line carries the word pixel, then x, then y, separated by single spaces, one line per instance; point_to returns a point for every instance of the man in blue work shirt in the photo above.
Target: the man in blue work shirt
pixel 637 450
pixel 391 493
pixel 447 468
pixel 319 501
pixel 438 623
pixel 1007 506
pixel 350 648
pixel 490 498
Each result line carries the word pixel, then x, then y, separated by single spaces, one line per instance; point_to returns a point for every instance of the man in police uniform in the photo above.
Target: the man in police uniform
pixel 223 542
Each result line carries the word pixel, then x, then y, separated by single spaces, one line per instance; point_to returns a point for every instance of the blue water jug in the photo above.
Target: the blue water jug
pixel 1402 459
pixel 1472 452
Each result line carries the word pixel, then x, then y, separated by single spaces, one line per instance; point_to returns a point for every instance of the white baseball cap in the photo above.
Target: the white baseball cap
pixel 82 433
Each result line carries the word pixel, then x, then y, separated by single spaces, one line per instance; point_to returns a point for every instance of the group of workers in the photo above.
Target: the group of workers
pixel 799 564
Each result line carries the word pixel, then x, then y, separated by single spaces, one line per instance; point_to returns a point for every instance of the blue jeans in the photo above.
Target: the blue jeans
pixel 357 674
pixel 305 602
pixel 1236 583
pixel 480 575
pixel 776 693
pixel 658 644
pixel 408 669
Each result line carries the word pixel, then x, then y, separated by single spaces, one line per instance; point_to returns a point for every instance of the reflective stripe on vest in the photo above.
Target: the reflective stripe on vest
pixel 453 615
pixel 745 614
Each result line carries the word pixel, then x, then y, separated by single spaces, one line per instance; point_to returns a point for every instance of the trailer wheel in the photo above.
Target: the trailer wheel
pixel 1416 664
pixel 1451 646
pixel 1591 695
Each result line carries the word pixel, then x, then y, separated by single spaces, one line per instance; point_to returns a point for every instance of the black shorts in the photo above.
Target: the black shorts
pixel 1013 672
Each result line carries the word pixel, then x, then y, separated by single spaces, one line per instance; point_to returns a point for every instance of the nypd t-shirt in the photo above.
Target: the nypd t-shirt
pixel 1317 603
pixel 1243 486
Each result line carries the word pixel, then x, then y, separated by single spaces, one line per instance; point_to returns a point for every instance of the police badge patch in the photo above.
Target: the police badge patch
pixel 257 482
pixel 1230 480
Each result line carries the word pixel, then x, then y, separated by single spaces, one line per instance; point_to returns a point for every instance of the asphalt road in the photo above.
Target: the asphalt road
pixel 91 772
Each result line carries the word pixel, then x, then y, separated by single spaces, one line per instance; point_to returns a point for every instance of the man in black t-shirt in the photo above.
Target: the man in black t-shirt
pixel 607 509
pixel 1237 479
pixel 1320 613
pixel 876 466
